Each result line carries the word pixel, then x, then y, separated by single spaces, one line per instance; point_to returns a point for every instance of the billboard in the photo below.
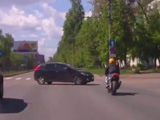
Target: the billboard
pixel 25 47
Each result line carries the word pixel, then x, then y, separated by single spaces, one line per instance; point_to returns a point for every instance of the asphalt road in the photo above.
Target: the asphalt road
pixel 138 99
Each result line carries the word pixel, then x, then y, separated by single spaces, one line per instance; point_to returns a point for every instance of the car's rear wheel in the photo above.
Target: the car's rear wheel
pixel 1 91
pixel 78 81
pixel 41 80
pixel 49 83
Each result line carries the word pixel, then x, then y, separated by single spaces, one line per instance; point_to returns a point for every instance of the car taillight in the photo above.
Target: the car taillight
pixel 36 68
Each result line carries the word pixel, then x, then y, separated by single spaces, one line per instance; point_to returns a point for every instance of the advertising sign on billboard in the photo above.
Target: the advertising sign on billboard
pixel 25 47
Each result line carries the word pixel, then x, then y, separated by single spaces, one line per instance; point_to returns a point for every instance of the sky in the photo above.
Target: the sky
pixel 37 20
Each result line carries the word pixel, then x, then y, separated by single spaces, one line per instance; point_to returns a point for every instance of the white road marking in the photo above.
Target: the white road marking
pixel 18 78
pixel 28 78
pixel 8 78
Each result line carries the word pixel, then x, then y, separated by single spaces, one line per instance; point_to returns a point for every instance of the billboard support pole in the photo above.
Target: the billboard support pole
pixel 26 60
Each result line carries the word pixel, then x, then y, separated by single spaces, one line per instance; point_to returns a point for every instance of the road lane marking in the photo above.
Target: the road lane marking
pixel 28 78
pixel 18 78
pixel 8 78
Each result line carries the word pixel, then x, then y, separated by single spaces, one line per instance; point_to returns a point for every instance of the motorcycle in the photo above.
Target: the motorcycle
pixel 114 84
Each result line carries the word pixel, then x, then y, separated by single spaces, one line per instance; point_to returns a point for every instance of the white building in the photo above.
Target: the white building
pixel 150 4
pixel 154 4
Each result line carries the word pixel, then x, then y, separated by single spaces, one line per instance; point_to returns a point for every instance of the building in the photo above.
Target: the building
pixel 39 58
pixel 153 4
pixel 147 5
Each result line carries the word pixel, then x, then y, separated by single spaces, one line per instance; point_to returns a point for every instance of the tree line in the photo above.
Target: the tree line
pixel 135 28
pixel 8 59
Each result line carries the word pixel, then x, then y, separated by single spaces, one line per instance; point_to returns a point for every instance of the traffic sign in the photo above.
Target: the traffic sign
pixel 112 42
pixel 112 55
pixel 112 48
pixel 1 52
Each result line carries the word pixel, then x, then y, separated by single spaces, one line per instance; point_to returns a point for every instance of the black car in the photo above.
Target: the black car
pixel 60 72
pixel 1 86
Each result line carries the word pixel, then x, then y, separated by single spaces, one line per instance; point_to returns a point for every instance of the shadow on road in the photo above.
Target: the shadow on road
pixel 126 94
pixel 92 84
pixel 12 105
pixel 72 84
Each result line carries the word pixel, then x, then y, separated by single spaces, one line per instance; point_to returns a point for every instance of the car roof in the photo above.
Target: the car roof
pixel 56 63
pixel 60 63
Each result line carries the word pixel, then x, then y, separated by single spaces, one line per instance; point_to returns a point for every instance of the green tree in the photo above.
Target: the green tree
pixel 154 28
pixel 87 44
pixel 138 38
pixel 122 27
pixel 72 25
pixel 147 33
pixel 6 43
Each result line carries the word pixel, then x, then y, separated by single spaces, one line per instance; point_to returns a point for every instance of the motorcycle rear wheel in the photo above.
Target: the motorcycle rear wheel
pixel 114 87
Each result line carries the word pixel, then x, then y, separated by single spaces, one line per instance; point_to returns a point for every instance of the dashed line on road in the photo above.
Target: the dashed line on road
pixel 8 78
pixel 28 78
pixel 18 78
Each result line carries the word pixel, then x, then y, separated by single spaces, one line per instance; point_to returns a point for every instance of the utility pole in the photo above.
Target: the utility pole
pixel 73 51
pixel 109 25
pixel 112 42
pixel 109 19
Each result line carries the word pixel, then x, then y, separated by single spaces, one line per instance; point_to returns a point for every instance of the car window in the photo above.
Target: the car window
pixel 60 67
pixel 50 67
pixel 41 66
pixel 70 66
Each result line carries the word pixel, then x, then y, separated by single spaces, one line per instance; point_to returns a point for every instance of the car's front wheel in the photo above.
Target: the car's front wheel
pixel 78 81
pixel 1 91
pixel 41 80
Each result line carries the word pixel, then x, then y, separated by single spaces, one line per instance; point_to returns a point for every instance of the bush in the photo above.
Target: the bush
pixel 141 67
pixel 135 70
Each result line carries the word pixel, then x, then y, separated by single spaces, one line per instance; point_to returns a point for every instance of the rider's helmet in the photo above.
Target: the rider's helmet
pixel 111 60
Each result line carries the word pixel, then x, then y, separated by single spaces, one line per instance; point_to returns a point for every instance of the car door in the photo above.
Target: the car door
pixel 62 74
pixel 50 72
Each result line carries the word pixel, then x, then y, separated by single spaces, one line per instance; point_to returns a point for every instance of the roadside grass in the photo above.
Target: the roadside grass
pixel 101 71
pixel 98 71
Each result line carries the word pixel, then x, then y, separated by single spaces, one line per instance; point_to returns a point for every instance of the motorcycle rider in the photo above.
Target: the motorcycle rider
pixel 112 68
